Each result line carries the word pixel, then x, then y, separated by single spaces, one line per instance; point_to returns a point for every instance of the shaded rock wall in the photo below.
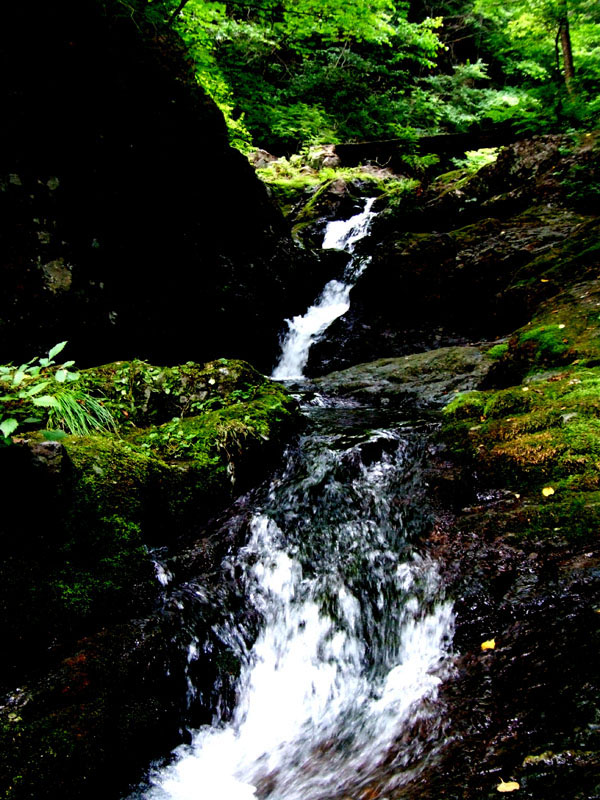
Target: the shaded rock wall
pixel 129 226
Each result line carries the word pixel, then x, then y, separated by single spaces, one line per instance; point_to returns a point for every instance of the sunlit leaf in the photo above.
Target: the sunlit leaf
pixel 507 786
pixel 489 644
pixel 54 351
pixel 45 401
pixel 36 388
pixel 547 491
pixel 7 426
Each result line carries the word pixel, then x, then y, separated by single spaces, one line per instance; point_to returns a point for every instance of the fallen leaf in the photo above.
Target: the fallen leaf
pixel 547 491
pixel 489 644
pixel 507 786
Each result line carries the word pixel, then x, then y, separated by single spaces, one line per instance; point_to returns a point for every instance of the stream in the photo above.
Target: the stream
pixel 347 633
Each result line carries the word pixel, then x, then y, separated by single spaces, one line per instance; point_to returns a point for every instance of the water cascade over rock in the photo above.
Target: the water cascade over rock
pixel 333 301
pixel 354 630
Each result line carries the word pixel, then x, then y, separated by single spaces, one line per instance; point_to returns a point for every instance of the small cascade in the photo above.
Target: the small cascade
pixel 334 300
pixel 354 638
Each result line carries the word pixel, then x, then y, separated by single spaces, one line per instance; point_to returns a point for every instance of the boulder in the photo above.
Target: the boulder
pixel 422 381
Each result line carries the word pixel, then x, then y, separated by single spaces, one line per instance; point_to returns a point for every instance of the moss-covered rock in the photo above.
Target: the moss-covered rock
pixel 472 263
pixel 540 438
pixel 105 498
pixel 189 438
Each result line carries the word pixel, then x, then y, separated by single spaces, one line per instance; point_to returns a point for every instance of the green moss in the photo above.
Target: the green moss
pixel 498 350
pixel 467 405
pixel 451 181
pixel 547 344
pixel 294 184
pixel 85 560
pixel 515 400
pixel 140 394
pixel 545 434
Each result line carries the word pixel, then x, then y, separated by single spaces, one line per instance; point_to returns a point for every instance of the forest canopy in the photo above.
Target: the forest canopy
pixel 291 73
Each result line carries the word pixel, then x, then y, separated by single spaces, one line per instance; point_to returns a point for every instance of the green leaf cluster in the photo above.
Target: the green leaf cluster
pixel 43 391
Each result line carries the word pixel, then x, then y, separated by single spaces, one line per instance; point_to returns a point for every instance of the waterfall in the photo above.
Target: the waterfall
pixel 354 639
pixel 333 301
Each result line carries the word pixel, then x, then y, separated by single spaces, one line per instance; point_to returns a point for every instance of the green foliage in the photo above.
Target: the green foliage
pixel 289 72
pixel 79 413
pixel 43 390
pixel 524 37
pixel 474 160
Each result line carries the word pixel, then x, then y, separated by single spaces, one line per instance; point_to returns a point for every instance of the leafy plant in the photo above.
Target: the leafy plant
pixel 40 389
pixel 475 159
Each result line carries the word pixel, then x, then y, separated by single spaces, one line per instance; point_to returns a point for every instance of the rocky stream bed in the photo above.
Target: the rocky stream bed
pixel 427 496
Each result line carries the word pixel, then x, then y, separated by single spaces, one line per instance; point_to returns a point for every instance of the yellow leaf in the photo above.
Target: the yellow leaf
pixel 547 491
pixel 489 644
pixel 507 786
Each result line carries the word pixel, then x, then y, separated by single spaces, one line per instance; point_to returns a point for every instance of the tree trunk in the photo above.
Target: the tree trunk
pixel 567 52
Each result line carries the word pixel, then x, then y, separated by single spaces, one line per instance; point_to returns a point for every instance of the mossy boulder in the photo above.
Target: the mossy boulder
pixel 95 655
pixel 105 497
pixel 540 438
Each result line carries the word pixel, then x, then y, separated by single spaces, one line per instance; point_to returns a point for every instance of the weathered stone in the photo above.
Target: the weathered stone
pixel 422 381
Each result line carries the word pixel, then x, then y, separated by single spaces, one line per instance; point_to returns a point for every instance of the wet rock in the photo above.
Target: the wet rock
pixel 518 547
pixel 336 199
pixel 261 158
pixel 323 156
pixel 422 381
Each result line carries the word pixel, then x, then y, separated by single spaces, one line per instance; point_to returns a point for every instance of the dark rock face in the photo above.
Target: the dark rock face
pixel 503 241
pixel 129 226
pixel 527 710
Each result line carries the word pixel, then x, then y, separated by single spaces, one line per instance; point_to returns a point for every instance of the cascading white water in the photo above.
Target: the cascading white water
pixel 334 300
pixel 354 642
